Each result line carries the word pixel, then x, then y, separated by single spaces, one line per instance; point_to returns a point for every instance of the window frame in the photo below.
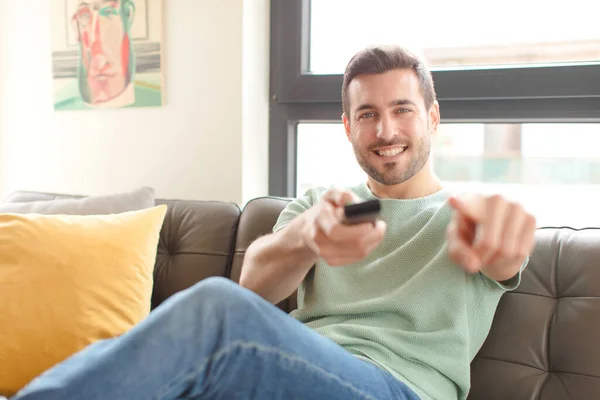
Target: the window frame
pixel 553 93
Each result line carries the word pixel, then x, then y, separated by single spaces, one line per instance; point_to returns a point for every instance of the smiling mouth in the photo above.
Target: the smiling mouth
pixel 390 152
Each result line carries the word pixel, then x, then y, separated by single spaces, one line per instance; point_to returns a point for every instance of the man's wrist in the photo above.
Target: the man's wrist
pixel 502 273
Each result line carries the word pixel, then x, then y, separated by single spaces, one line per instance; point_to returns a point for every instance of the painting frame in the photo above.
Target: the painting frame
pixel 107 54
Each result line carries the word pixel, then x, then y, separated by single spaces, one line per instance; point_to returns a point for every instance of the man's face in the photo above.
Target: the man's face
pixel 389 126
pixel 104 47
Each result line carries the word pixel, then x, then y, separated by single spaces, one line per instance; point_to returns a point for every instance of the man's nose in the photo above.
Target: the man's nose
pixel 386 128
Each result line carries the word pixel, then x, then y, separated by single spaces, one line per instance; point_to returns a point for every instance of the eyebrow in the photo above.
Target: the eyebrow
pixel 399 102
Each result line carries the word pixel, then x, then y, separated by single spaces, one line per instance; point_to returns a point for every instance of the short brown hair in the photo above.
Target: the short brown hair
pixel 380 59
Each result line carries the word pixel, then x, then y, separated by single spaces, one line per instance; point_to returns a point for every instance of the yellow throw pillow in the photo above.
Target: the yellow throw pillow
pixel 67 281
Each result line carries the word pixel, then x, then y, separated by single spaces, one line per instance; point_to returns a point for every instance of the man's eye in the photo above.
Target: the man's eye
pixel 403 110
pixel 367 115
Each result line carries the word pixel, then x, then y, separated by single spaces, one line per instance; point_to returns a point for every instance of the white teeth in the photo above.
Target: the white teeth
pixel 391 153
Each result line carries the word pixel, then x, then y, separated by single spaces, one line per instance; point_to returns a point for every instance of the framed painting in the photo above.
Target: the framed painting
pixel 107 54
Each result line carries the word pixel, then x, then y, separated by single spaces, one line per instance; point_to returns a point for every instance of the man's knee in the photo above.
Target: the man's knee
pixel 216 301
pixel 215 293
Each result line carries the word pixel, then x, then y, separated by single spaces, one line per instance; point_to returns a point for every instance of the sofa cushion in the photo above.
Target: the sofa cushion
pixel 67 281
pixel 31 202
pixel 196 242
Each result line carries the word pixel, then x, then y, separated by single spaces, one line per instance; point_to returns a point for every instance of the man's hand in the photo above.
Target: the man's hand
pixel 490 234
pixel 329 238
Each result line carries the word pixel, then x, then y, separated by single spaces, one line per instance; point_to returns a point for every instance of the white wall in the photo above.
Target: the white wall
pixel 208 142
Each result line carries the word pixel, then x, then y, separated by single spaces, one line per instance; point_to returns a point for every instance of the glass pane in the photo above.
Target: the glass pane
pixel 552 169
pixel 456 33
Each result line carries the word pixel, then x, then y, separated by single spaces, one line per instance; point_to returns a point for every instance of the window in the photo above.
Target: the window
pixel 553 169
pixel 504 76
pixel 455 33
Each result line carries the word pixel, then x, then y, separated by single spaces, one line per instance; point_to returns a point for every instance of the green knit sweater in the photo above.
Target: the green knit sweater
pixel 407 307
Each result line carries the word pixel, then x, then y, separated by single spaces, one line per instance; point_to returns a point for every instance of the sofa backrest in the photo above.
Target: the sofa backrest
pixel 258 218
pixel 543 343
pixel 196 242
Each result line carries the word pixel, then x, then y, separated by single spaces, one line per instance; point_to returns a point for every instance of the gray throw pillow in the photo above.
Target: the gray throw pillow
pixel 135 200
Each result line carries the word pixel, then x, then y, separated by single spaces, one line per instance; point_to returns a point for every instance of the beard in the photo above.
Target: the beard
pixel 391 173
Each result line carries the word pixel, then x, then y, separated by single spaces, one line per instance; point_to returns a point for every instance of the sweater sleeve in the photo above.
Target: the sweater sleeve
pixel 297 207
pixel 512 283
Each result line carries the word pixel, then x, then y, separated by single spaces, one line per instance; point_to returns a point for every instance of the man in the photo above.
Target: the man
pixel 106 58
pixel 391 310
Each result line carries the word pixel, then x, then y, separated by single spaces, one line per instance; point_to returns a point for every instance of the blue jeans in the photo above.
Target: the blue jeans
pixel 215 340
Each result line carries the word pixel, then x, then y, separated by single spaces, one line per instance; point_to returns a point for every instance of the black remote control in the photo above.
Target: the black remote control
pixel 366 211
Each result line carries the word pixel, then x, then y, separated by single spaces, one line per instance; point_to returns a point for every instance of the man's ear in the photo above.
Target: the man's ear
pixel 346 122
pixel 128 14
pixel 434 116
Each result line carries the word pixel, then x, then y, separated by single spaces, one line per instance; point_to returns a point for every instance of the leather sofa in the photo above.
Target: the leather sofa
pixel 545 340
